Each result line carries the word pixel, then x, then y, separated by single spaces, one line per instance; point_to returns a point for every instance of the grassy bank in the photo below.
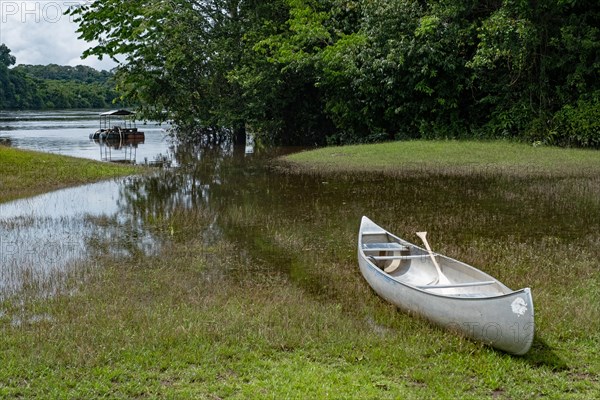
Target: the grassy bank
pixel 25 173
pixel 257 294
pixel 447 157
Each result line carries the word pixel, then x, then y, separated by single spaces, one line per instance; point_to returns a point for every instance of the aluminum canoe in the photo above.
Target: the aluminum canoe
pixel 472 303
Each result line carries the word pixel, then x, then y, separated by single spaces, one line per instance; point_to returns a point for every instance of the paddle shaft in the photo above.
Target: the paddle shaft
pixel 423 236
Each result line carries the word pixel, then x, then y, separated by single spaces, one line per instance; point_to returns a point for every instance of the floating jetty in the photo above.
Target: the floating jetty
pixel 118 125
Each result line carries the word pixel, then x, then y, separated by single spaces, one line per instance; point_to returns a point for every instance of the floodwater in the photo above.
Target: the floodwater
pixel 42 236
pixel 271 214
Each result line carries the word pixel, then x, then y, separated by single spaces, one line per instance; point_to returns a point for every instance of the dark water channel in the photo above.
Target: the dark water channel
pixel 285 222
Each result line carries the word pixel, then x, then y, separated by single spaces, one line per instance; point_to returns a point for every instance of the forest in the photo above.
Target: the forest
pixel 342 71
pixel 34 87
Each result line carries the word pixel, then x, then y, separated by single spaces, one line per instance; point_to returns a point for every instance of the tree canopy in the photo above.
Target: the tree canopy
pixel 339 71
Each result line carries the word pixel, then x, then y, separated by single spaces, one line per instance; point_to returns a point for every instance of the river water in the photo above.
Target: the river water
pixel 270 213
pixel 67 132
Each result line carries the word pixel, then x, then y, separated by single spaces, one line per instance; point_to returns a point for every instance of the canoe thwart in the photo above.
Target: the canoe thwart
pixel 457 285
pixel 386 249
pixel 386 246
pixel 381 258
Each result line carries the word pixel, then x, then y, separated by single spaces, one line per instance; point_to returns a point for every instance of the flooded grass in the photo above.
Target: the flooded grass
pixel 25 173
pixel 255 291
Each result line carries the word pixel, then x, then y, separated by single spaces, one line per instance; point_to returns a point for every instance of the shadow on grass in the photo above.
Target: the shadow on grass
pixel 542 355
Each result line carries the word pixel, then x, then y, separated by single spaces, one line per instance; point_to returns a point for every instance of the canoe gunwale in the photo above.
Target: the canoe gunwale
pixel 422 288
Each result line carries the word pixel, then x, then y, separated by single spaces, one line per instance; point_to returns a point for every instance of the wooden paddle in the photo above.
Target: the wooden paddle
pixel 442 279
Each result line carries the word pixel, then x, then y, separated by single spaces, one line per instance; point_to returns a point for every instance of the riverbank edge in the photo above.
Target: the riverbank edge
pixel 25 173
pixel 449 157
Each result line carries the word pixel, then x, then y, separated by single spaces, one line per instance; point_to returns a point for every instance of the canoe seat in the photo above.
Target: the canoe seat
pixel 372 233
pixel 378 258
pixel 392 261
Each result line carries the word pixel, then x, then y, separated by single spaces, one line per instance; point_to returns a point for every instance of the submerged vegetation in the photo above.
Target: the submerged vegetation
pixel 256 291
pixel 26 173
pixel 341 71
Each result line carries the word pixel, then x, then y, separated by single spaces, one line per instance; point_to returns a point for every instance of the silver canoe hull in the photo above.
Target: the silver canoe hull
pixel 473 303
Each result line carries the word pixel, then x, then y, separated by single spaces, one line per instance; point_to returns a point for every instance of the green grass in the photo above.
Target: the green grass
pixel 204 322
pixel 275 307
pixel 25 173
pixel 447 157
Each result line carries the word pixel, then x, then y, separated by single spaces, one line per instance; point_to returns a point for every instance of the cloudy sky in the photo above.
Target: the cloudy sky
pixel 37 32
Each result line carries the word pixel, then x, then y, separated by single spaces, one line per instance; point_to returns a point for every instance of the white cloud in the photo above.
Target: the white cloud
pixel 38 32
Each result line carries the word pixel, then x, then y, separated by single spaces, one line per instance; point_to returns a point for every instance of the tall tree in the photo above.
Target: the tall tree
pixel 6 59
pixel 7 91
pixel 175 56
pixel 534 59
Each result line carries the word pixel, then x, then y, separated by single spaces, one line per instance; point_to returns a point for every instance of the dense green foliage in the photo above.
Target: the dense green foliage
pixel 52 86
pixel 338 71
pixel 79 73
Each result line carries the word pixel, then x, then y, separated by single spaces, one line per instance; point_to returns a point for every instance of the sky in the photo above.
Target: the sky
pixel 37 32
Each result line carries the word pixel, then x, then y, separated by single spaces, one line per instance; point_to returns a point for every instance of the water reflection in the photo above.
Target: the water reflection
pixel 43 235
pixel 125 150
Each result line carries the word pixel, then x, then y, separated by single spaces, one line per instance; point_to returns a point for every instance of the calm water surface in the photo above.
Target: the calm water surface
pixel 43 236
pixel 67 132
